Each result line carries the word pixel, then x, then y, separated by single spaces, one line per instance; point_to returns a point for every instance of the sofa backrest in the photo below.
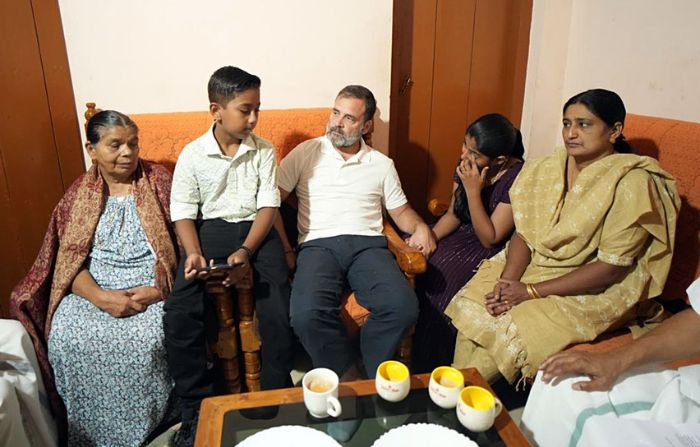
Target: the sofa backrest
pixel 676 144
pixel 162 136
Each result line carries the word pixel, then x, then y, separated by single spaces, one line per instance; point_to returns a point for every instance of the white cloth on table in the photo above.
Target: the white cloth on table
pixel 25 416
pixel 557 415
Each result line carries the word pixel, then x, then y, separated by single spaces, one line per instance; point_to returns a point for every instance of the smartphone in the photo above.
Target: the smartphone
pixel 222 268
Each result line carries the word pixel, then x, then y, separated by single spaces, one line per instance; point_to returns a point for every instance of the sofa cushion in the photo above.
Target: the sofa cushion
pixel 675 144
pixel 162 136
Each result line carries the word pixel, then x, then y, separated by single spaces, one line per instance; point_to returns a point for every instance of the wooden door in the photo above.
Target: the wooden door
pixel 452 61
pixel 40 149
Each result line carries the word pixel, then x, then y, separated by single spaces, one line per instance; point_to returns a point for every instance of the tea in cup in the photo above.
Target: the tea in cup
pixel 321 393
pixel 392 381
pixel 444 386
pixel 477 408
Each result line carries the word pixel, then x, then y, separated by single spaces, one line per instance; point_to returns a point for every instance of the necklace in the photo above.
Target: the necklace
pixel 501 171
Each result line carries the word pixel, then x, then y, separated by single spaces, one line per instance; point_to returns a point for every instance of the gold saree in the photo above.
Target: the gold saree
pixel 621 210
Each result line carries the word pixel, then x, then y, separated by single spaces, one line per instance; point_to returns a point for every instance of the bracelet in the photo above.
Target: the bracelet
pixel 248 251
pixel 291 250
pixel 532 292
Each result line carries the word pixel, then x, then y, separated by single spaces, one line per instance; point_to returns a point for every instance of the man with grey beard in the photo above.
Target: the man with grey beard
pixel 342 185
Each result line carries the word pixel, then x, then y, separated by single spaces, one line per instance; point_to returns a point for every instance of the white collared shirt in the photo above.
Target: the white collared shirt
pixel 208 183
pixel 336 196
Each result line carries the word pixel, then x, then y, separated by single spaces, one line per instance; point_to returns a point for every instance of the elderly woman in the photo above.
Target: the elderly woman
pixel 595 226
pixel 93 297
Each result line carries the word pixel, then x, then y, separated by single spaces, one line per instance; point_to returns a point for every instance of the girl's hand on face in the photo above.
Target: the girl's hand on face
pixel 472 179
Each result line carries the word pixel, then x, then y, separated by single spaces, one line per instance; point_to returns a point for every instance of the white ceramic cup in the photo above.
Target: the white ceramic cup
pixel 321 393
pixel 444 387
pixel 393 381
pixel 477 408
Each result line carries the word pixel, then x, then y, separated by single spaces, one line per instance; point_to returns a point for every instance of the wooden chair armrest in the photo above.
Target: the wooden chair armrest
pixel 437 207
pixel 410 260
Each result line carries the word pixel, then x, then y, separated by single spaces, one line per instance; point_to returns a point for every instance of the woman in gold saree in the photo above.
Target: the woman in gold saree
pixel 595 227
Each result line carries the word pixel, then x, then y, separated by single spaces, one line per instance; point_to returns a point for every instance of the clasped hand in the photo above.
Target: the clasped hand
pixel 506 295
pixel 423 240
pixel 125 303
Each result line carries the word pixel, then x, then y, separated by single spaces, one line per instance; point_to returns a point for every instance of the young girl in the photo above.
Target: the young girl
pixel 476 226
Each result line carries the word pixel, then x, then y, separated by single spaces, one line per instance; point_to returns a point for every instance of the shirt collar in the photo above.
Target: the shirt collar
pixel 211 146
pixel 364 155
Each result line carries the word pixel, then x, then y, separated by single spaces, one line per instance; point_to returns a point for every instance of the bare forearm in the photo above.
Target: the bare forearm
pixel 517 258
pixel 279 226
pixel 264 220
pixel 447 224
pixel 588 278
pixel 406 219
pixel 187 232
pixel 84 285
pixel 674 339
pixel 483 226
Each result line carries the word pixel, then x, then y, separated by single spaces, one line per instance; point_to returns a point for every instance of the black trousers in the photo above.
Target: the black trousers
pixel 326 267
pixel 189 310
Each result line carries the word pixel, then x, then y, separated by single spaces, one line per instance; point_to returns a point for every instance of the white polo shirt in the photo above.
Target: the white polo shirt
pixel 221 187
pixel 337 196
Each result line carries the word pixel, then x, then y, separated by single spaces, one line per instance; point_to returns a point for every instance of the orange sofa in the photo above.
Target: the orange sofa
pixel 162 136
pixel 675 144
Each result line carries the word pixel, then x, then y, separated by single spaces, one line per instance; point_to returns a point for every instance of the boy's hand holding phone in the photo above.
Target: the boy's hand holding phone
pixel 239 257
pixel 193 263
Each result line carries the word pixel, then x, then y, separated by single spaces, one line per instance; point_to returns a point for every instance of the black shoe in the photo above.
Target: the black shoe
pixel 185 435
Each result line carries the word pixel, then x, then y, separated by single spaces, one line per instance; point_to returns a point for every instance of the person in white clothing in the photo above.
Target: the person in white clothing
pixel 578 395
pixel 342 186
pixel 25 417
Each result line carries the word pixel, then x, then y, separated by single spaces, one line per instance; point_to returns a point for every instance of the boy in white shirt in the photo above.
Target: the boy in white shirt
pixel 223 202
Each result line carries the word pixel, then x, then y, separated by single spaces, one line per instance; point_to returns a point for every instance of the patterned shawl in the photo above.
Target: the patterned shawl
pixel 67 244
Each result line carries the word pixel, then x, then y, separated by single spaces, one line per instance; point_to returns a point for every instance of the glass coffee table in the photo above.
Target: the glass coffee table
pixel 228 420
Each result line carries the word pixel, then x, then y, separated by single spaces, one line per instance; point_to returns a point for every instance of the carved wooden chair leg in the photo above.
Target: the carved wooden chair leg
pixel 406 347
pixel 250 337
pixel 226 347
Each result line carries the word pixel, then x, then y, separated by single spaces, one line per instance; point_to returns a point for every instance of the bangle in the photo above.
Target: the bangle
pixel 532 292
pixel 247 250
pixel 291 250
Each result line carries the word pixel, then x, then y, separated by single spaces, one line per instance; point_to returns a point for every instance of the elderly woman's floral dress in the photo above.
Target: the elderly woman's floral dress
pixel 112 372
